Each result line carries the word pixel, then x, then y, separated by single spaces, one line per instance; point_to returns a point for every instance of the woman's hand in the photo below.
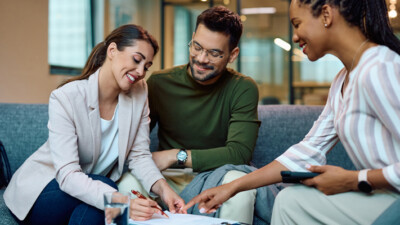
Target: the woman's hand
pixel 143 209
pixel 333 179
pixel 211 199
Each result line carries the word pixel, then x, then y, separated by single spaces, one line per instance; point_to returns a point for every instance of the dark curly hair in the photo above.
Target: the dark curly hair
pixel 221 19
pixel 371 16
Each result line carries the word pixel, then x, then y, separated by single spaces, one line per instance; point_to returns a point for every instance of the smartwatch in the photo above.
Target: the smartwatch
pixel 363 184
pixel 181 156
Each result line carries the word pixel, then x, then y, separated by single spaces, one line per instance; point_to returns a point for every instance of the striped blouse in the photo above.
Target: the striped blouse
pixel 366 119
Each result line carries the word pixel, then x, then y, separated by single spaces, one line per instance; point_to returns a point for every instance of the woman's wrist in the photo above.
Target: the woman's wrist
pixel 233 187
pixel 353 180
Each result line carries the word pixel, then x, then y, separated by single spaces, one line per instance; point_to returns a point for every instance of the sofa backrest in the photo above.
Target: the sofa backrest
pixel 285 125
pixel 23 129
pixel 281 127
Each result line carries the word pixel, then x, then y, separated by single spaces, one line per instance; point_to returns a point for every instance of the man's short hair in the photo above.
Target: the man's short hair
pixel 221 19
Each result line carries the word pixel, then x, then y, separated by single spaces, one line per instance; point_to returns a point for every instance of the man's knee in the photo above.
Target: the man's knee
pixel 235 174
pixel 241 206
pixel 232 175
pixel 243 198
pixel 129 182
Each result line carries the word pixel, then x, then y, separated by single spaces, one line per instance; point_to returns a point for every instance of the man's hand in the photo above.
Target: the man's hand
pixel 164 159
pixel 174 202
pixel 333 179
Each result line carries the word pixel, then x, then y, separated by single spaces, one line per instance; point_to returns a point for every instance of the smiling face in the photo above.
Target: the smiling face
pixel 308 30
pixel 131 64
pixel 206 69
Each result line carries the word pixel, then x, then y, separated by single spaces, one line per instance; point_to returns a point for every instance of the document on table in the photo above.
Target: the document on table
pixel 182 219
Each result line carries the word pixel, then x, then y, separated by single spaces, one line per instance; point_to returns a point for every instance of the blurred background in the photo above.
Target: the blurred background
pixel 44 42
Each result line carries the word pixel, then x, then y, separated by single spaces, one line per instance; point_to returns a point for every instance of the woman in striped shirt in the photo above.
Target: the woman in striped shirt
pixel 362 111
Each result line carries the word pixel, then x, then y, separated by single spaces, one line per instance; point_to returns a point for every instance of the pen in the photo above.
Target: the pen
pixel 139 195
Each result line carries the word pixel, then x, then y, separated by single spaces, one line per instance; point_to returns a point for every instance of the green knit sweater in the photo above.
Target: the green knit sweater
pixel 217 122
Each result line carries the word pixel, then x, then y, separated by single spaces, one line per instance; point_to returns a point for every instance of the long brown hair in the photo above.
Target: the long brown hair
pixel 123 36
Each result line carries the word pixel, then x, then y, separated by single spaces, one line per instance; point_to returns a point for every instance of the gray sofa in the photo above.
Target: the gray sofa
pixel 23 128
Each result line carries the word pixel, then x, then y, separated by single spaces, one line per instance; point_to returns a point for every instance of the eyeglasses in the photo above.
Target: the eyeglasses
pixel 213 55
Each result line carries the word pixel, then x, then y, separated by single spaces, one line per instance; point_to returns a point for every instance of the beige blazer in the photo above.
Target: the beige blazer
pixel 73 147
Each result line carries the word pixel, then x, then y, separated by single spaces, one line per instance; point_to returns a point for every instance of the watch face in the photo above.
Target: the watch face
pixel 182 156
pixel 364 187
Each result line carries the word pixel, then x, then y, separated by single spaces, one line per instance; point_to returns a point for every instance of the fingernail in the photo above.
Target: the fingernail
pixel 308 166
pixel 213 211
pixel 202 210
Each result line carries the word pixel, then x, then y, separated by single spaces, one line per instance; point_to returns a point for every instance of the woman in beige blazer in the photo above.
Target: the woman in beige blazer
pixel 64 180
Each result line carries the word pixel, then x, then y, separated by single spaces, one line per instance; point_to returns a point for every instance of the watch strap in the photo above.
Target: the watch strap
pixel 362 175
pixel 363 184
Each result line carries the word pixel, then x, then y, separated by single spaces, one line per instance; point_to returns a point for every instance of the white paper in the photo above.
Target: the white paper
pixel 181 219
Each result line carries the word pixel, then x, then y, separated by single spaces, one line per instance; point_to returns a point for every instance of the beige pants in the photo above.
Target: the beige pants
pixel 300 204
pixel 238 208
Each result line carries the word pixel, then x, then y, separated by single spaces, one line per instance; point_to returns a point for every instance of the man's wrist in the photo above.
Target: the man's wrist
pixel 173 160
pixel 160 186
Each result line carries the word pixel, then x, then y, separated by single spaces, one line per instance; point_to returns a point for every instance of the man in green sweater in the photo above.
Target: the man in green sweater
pixel 207 113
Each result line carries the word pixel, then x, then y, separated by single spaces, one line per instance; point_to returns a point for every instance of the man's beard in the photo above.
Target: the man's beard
pixel 208 76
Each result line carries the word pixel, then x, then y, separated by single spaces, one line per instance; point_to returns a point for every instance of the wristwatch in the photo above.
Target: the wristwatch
pixel 181 156
pixel 363 184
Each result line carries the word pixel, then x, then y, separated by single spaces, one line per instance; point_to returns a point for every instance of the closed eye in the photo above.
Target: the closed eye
pixel 215 53
pixel 137 61
pixel 295 22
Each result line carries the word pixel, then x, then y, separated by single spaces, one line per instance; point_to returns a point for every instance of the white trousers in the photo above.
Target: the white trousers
pixel 238 208
pixel 300 204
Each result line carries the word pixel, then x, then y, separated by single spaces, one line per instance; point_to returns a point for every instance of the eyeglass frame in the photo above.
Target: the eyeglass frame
pixel 208 52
